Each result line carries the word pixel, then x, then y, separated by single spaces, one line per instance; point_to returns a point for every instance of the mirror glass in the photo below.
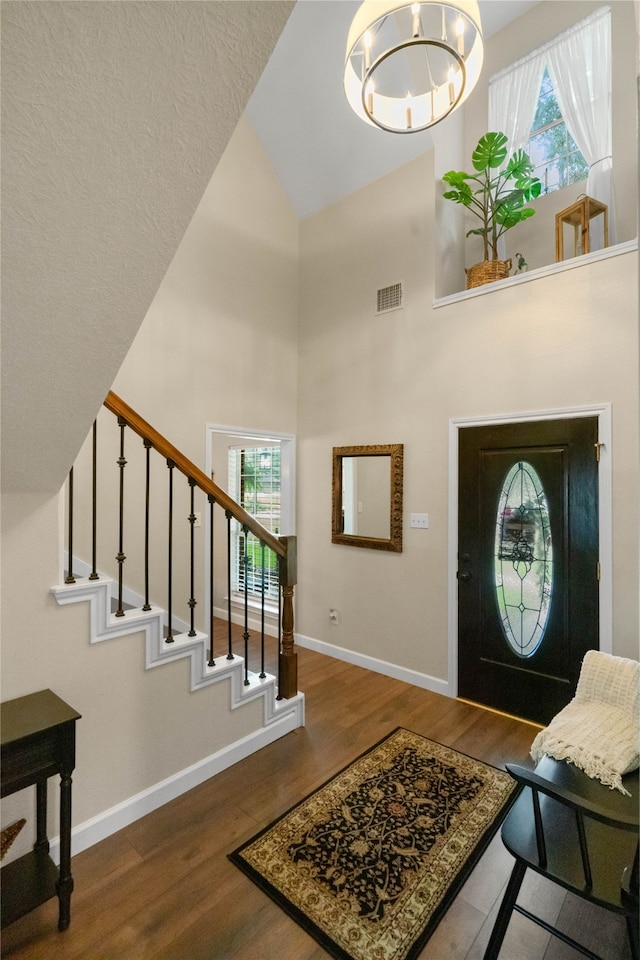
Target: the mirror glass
pixel 367 496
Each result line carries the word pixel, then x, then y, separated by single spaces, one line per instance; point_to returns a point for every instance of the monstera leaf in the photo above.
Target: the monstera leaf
pixel 490 152
pixel 530 187
pixel 463 192
pixel 511 212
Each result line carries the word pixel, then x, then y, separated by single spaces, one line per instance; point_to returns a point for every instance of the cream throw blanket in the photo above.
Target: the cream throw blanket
pixel 598 730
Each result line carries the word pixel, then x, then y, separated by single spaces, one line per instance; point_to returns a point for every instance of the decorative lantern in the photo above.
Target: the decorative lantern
pixel 578 218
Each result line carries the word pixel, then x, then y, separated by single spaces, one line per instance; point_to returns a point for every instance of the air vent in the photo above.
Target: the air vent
pixel 389 298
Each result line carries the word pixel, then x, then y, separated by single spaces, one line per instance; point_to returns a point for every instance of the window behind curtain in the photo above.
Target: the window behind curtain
pixel 555 103
pixel 557 160
pixel 254 483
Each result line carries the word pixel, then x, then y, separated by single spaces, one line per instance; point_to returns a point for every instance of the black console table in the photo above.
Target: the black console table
pixel 38 739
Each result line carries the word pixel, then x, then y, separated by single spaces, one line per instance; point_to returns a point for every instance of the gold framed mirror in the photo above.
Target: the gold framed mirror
pixel 367 496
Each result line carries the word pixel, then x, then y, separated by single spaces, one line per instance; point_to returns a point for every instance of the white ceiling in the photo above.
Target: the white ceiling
pixel 320 151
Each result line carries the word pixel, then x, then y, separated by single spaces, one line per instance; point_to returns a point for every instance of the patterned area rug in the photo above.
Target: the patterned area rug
pixel 370 862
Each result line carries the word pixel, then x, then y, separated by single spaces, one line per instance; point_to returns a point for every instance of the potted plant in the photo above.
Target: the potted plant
pixel 497 197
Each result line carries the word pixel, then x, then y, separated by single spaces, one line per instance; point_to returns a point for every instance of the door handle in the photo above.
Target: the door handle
pixel 464 576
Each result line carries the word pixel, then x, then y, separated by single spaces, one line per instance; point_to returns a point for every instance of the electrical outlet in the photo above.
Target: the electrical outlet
pixel 334 616
pixel 420 520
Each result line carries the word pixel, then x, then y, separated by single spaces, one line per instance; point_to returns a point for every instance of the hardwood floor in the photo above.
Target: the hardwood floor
pixel 163 887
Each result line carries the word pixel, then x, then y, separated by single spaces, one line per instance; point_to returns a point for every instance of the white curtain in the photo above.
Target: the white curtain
pixel 580 70
pixel 579 64
pixel 513 99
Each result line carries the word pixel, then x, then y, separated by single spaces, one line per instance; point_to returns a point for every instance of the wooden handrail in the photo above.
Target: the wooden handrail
pixel 140 426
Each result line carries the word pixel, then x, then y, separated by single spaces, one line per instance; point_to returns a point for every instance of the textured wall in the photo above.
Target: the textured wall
pixel 114 116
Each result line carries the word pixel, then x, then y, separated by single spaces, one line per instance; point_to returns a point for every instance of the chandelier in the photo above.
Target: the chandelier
pixel 409 65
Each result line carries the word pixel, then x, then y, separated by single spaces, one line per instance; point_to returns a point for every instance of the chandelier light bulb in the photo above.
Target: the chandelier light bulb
pixel 367 49
pixel 415 10
pixel 370 91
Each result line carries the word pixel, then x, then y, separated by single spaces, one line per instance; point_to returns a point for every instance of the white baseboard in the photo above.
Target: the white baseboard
pixel 423 680
pixel 110 821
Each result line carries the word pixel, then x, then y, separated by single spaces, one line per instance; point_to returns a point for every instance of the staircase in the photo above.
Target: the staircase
pixel 245 685
pixel 115 612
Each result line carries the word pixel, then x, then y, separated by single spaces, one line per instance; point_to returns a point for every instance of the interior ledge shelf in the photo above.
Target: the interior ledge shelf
pixel 615 251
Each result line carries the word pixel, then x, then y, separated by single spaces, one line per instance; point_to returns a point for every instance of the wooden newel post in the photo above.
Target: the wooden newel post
pixel 288 656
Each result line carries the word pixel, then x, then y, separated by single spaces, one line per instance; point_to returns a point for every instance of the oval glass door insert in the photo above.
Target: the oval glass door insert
pixel 523 560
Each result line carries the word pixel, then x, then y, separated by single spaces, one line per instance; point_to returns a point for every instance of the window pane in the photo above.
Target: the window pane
pixel 577 167
pixel 553 152
pixel 251 568
pixel 549 143
pixel 523 560
pixel 254 482
pixel 548 109
pixel 550 175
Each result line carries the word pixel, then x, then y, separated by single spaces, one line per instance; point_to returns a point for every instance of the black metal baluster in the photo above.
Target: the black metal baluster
pixel 192 599
pixel 70 577
pixel 262 673
pixel 279 695
pixel 212 501
pixel 94 506
pixel 245 635
pixel 228 515
pixel 147 505
pixel 169 637
pixel 120 557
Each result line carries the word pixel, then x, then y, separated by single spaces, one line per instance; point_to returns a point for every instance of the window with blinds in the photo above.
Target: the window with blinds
pixel 254 483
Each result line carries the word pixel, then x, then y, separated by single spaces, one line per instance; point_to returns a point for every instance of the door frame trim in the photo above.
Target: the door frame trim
pixel 603 412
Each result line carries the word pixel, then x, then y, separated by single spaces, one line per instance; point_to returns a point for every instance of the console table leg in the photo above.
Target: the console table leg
pixel 42 842
pixel 65 881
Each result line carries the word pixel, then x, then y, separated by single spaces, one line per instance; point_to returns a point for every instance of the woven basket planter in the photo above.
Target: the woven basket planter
pixel 486 272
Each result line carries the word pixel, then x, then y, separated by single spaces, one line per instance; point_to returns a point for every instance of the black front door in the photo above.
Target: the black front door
pixel 527 562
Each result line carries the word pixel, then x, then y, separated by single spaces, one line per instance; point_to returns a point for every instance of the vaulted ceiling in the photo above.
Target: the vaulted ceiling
pixel 114 118
pixel 319 149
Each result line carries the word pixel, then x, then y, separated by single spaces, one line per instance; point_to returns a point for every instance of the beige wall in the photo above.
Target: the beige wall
pixel 232 284
pixel 218 345
pixel 401 377
pixel 138 727
pixel 560 341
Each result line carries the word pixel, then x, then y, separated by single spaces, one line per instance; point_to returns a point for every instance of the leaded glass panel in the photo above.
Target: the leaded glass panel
pixel 523 559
